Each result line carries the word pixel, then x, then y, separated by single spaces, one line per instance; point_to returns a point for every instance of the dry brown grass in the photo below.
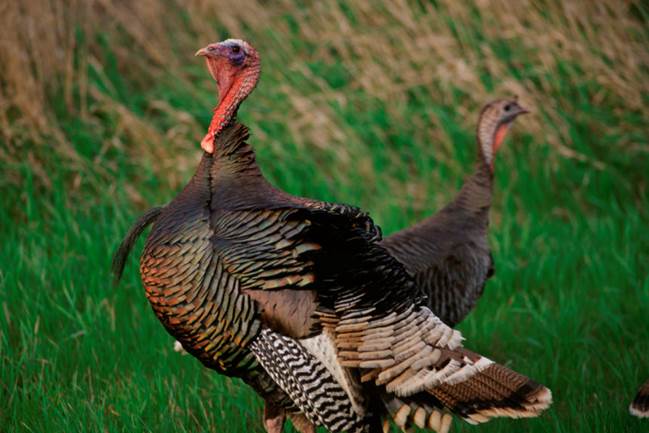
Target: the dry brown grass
pixel 388 48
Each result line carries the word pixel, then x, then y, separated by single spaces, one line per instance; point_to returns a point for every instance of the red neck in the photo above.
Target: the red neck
pixel 232 92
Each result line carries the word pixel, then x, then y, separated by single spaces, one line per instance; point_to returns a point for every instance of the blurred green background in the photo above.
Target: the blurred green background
pixel 102 107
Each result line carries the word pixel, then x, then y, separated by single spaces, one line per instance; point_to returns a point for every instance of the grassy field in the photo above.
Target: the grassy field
pixel 102 106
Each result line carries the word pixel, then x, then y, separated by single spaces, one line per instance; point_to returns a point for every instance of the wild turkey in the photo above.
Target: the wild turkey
pixel 448 253
pixel 640 405
pixel 248 277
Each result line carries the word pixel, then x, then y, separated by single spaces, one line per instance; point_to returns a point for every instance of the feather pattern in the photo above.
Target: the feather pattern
pixel 364 298
pixel 204 299
pixel 448 254
pixel 310 384
pixel 229 238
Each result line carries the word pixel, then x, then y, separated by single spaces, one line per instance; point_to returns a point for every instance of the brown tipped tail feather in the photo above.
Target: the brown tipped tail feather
pixel 476 401
pixel 494 392
pixel 428 375
pixel 640 405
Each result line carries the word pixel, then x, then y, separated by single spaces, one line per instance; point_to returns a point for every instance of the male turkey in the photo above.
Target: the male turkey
pixel 448 254
pixel 256 283
pixel 640 404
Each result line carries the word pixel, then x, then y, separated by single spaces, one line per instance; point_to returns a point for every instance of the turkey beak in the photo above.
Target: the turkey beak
pixel 518 110
pixel 210 51
pixel 202 52
pixel 521 110
pixel 515 111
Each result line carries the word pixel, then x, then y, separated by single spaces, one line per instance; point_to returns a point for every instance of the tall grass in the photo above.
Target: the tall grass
pixel 102 106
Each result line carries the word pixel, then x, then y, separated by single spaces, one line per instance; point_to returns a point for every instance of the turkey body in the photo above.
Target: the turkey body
pixel 193 295
pixel 299 294
pixel 448 254
pixel 256 283
pixel 209 308
pixel 188 287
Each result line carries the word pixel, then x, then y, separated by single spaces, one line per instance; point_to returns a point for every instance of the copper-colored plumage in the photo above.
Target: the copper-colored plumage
pixel 230 234
pixel 369 301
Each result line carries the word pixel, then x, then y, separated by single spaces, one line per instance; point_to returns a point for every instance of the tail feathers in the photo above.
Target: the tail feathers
pixel 406 352
pixel 407 413
pixel 419 360
pixel 640 405
pixel 310 385
pixel 119 259
pixel 493 392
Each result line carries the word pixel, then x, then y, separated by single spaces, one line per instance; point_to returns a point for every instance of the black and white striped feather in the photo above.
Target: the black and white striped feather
pixel 311 386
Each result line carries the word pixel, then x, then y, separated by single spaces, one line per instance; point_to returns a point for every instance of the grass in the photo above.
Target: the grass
pixel 369 104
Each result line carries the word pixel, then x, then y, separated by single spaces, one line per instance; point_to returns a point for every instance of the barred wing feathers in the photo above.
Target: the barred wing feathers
pixel 315 390
pixel 354 289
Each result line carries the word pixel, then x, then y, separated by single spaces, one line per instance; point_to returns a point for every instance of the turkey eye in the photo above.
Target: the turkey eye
pixel 236 49
pixel 508 107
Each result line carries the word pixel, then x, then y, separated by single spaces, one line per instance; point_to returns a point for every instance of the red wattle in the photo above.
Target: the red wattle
pixel 499 136
pixel 207 143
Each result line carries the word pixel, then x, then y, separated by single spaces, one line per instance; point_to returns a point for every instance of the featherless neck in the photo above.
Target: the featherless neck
pixel 230 99
pixel 484 165
pixel 485 137
pixel 476 193
pixel 491 133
